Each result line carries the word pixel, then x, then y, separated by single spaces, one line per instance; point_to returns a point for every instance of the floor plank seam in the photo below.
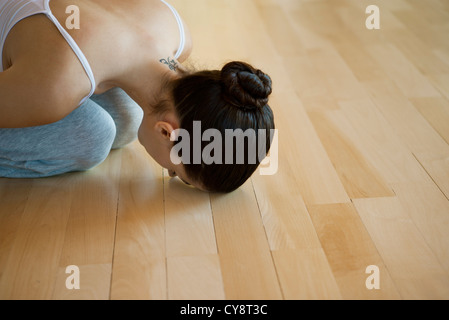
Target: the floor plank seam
pixel 268 241
pixel 431 178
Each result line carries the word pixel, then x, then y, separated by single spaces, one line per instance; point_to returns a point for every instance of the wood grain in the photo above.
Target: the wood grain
pixel 362 177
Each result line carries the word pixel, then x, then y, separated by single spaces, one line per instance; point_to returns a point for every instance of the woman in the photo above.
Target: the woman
pixel 69 95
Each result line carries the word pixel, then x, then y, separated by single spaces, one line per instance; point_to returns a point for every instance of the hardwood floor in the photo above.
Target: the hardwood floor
pixel 363 177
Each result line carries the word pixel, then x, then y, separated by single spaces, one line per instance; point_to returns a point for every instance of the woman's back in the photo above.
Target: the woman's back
pixel 44 79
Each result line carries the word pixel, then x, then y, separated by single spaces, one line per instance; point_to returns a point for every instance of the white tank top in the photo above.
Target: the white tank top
pixel 12 11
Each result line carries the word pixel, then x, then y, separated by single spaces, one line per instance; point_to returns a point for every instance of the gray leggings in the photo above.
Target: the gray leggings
pixel 78 142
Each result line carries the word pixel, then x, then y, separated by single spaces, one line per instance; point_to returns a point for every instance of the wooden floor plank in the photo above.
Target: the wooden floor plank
pixel 246 263
pixel 342 83
pixel 284 214
pixel 285 41
pixel 306 80
pixel 406 121
pixel 90 232
pixel 418 135
pixel 315 176
pixel 296 249
pixel 32 267
pixel 402 72
pixel 314 279
pixel 302 21
pixel 376 139
pixel 412 265
pixel 442 55
pixel 414 20
pixel 13 195
pixel 427 206
pixel 362 176
pixel 189 226
pixel 350 251
pixel 356 57
pixel 436 112
pixel 441 82
pixel 431 12
pixel 195 278
pixel 139 264
pixel 193 268
pixel 420 55
pixel 358 176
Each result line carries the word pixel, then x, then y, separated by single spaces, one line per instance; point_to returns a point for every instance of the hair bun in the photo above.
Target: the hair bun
pixel 245 86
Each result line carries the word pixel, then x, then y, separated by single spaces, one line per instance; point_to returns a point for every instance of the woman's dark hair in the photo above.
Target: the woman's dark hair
pixel 234 98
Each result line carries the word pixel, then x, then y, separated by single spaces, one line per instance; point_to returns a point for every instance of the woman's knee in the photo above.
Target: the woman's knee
pixel 78 142
pixel 127 126
pixel 125 112
pixel 96 135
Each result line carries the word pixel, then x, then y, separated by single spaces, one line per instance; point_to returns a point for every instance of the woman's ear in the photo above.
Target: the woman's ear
pixel 164 129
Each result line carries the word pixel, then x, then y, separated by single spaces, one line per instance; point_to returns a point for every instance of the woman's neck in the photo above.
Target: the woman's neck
pixel 145 83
